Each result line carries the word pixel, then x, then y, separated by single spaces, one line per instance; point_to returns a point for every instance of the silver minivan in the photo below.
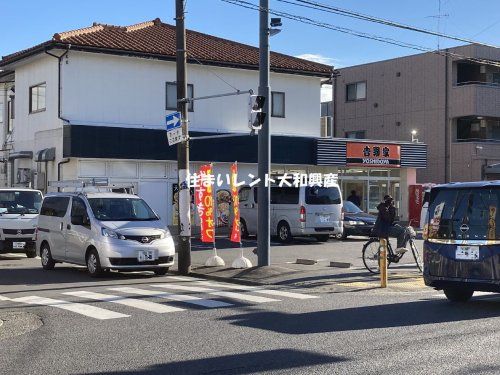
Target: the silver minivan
pixel 103 231
pixel 295 211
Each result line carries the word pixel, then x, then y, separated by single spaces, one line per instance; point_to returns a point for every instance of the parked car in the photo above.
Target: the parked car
pixel 356 221
pixel 462 239
pixel 295 211
pixel 19 209
pixel 103 231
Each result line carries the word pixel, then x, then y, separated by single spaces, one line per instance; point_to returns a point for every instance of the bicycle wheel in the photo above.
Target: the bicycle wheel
pixel 371 255
pixel 416 255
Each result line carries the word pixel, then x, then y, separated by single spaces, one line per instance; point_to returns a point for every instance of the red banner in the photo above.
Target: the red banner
pixel 205 206
pixel 235 231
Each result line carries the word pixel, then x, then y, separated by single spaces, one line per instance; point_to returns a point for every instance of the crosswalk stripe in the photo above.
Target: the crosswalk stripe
pixel 187 288
pixel 2 298
pixel 243 297
pixel 131 302
pixel 79 308
pixel 183 278
pixel 175 297
pixel 226 285
pixel 281 293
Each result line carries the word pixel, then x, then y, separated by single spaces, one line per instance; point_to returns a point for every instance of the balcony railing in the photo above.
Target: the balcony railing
pixel 489 84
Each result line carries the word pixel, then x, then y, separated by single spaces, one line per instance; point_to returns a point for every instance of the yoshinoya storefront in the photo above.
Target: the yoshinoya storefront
pixel 142 157
pixel 373 169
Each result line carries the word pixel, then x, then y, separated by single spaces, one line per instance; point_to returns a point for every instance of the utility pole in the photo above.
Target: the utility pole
pixel 264 141
pixel 184 245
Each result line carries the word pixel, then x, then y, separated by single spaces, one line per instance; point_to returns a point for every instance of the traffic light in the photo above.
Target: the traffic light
pixel 255 115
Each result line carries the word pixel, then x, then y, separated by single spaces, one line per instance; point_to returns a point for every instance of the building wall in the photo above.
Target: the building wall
pixel 111 90
pixel 409 93
pixel 402 95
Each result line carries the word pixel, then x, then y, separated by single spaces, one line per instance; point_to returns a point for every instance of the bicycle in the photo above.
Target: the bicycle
pixel 371 252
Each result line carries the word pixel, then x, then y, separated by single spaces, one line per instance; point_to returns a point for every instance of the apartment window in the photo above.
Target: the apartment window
pixel 10 114
pixel 37 98
pixel 356 91
pixel 277 104
pixel 358 134
pixel 171 96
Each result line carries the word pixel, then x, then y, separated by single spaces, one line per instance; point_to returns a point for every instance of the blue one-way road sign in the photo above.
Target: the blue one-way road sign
pixel 173 121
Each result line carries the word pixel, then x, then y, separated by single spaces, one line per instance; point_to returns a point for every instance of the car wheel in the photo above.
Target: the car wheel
pixel 458 295
pixel 31 253
pixel 243 229
pixel 94 264
pixel 322 237
pixel 284 234
pixel 46 257
pixel 161 271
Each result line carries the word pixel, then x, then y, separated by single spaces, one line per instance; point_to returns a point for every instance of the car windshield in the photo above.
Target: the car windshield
pixel 20 202
pixel 351 208
pixel 121 209
pixel 465 214
pixel 322 195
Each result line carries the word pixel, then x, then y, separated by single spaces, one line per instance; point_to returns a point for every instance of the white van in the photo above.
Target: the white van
pixel 103 230
pixel 19 210
pixel 295 211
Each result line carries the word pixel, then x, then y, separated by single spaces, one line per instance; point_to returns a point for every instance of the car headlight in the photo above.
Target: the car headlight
pixel 353 222
pixel 165 234
pixel 111 234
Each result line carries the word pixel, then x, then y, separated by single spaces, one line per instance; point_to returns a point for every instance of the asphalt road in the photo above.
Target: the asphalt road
pixel 249 332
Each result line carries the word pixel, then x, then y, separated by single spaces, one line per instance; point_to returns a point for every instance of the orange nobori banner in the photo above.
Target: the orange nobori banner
pixel 205 206
pixel 235 231
pixel 373 155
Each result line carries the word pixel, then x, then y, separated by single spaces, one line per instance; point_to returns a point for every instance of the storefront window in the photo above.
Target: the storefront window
pixel 394 173
pixel 354 172
pixel 379 172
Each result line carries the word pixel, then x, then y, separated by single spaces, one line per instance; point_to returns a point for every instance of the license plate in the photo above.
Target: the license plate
pixel 18 245
pixel 467 253
pixel 145 255
pixel 324 218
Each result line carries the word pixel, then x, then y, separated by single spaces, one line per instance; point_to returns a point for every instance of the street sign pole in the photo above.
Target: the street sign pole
pixel 264 141
pixel 184 245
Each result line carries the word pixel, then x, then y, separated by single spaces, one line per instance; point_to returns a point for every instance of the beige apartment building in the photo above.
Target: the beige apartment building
pixel 451 102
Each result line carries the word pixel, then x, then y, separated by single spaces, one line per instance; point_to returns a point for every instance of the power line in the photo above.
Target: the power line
pixel 348 13
pixel 306 20
pixel 212 71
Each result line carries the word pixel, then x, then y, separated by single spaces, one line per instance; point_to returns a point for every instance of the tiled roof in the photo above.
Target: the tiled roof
pixel 155 38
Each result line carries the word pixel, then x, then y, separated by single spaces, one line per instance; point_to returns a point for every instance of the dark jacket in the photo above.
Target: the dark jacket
pixel 385 220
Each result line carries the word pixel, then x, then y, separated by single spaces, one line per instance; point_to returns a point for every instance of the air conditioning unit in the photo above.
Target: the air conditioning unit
pixel 326 125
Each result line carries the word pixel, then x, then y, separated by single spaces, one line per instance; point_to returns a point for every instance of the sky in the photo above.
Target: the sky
pixel 29 22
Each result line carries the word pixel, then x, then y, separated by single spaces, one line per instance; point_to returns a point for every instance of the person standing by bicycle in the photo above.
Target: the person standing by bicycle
pixel 385 226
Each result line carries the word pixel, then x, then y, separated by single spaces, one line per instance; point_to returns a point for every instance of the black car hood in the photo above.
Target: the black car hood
pixel 361 216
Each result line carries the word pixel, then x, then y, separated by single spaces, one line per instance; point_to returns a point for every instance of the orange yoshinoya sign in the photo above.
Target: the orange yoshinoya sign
pixel 205 206
pixel 235 231
pixel 373 155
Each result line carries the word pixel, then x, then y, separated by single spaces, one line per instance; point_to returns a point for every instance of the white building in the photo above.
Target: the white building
pixel 92 103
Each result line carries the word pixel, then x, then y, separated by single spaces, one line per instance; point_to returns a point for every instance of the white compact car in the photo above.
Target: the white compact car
pixel 19 210
pixel 103 231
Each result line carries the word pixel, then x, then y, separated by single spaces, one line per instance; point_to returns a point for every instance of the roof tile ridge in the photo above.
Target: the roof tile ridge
pixel 86 30
pixel 142 25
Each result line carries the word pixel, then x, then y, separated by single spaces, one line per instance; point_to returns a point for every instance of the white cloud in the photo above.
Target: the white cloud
pixel 319 59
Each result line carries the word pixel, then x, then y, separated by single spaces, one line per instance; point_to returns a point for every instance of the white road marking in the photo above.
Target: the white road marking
pixel 2 298
pixel 131 302
pixel 15 255
pixel 182 278
pixel 244 297
pixel 225 285
pixel 187 288
pixel 79 308
pixel 282 293
pixel 175 297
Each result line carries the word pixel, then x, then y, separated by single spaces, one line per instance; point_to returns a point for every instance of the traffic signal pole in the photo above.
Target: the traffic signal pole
pixel 264 141
pixel 184 245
